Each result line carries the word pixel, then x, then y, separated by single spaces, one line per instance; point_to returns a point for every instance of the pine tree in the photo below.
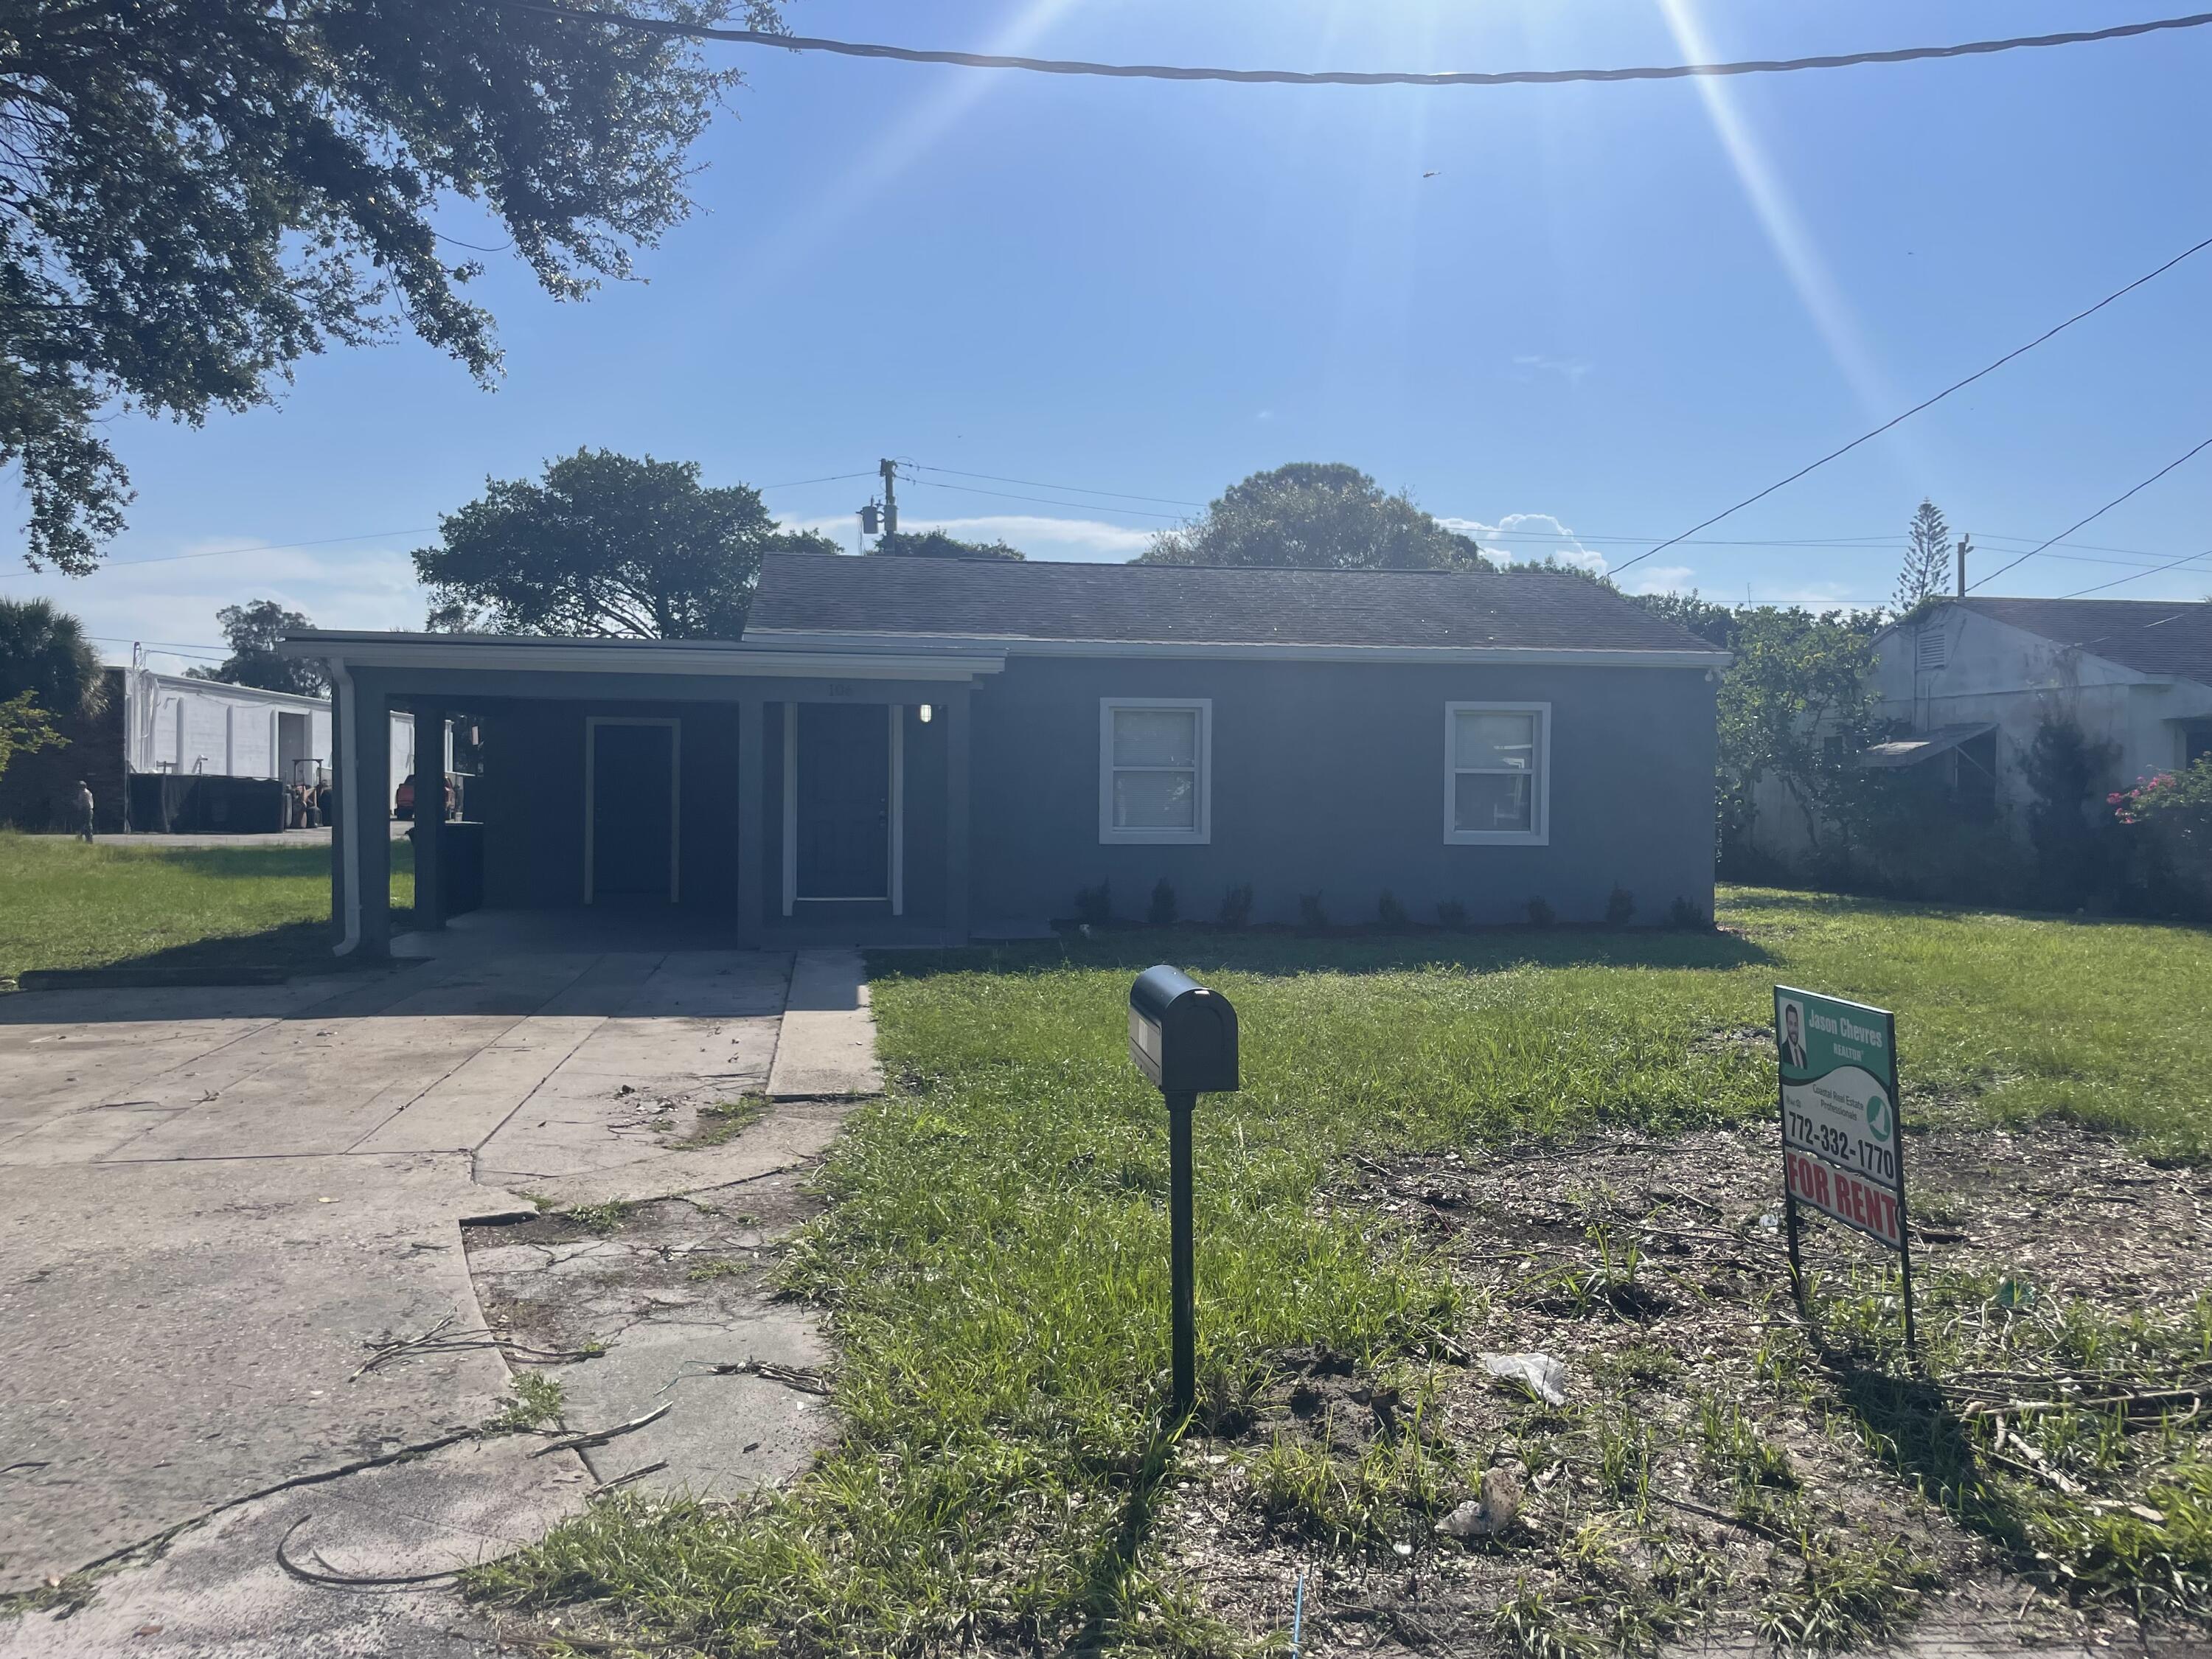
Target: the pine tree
pixel 1927 558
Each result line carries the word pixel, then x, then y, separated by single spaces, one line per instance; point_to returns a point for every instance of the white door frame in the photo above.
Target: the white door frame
pixel 895 854
pixel 592 725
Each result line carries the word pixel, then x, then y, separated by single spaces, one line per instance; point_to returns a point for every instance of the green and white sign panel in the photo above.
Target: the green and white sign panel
pixel 1839 1128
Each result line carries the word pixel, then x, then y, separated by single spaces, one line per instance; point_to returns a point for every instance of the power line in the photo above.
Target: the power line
pixel 1344 77
pixel 1955 387
pixel 2138 576
pixel 1088 507
pixel 835 477
pixel 1038 483
pixel 232 552
pixel 2099 513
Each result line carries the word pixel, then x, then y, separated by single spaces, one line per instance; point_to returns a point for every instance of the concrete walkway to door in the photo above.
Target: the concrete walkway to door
pixel 214 1203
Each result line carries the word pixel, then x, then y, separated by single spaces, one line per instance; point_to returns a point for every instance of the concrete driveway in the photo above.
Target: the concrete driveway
pixel 215 1202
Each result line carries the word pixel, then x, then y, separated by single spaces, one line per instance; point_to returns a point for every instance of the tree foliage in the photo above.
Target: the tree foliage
pixel 1797 704
pixel 24 728
pixel 44 654
pixel 608 545
pixel 253 630
pixel 1320 515
pixel 1927 569
pixel 194 194
pixel 936 544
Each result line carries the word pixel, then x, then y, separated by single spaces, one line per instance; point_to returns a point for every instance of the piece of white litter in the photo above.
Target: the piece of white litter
pixel 1492 1513
pixel 1541 1375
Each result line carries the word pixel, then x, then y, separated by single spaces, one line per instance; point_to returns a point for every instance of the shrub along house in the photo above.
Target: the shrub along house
pixel 931 750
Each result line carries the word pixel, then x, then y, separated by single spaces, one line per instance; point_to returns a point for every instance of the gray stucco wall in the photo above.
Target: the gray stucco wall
pixel 1329 778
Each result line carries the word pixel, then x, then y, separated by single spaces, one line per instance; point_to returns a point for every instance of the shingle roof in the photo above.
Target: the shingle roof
pixel 2152 636
pixel 1156 603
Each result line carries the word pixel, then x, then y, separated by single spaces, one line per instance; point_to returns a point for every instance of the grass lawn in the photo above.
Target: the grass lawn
pixel 994 1260
pixel 64 904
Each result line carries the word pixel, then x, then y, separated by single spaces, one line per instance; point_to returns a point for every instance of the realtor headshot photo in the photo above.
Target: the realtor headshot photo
pixel 1793 1036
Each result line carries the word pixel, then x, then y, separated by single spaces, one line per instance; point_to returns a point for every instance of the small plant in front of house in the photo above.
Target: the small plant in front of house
pixel 1161 912
pixel 1237 905
pixel 1620 906
pixel 1684 917
pixel 1451 913
pixel 534 1401
pixel 1311 916
pixel 1094 906
pixel 1541 913
pixel 600 1218
pixel 1389 912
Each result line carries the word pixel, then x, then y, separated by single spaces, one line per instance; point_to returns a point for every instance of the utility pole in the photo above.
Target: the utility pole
pixel 889 469
pixel 1965 546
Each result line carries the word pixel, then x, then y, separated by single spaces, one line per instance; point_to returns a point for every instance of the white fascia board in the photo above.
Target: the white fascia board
pixel 1019 647
pixel 711 662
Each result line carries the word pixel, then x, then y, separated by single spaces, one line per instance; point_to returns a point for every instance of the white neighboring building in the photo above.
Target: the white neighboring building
pixel 1967 684
pixel 207 728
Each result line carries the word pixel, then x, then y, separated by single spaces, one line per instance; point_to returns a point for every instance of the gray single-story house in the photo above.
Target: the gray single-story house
pixel 925 751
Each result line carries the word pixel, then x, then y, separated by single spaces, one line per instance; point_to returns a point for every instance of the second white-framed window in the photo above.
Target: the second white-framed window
pixel 1154 769
pixel 1498 774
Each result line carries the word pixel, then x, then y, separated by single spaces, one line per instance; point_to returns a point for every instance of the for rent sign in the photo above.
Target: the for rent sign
pixel 1841 1143
pixel 1838 1062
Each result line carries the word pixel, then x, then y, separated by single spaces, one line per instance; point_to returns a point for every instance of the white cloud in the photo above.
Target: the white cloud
pixel 1078 540
pixel 1530 538
pixel 1570 370
pixel 1661 578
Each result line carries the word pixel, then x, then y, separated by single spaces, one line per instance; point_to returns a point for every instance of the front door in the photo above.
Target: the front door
pixel 843 794
pixel 633 808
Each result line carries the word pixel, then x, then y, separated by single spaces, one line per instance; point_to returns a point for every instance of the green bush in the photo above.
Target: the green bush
pixel 1389 912
pixel 1311 916
pixel 1619 907
pixel 1095 905
pixel 1237 905
pixel 1451 913
pixel 1541 913
pixel 1161 912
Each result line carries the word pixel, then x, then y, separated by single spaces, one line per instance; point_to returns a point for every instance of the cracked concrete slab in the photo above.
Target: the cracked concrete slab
pixel 216 1592
pixel 184 1334
pixel 215 1199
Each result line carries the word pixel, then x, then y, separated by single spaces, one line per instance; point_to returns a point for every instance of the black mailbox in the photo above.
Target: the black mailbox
pixel 1181 1035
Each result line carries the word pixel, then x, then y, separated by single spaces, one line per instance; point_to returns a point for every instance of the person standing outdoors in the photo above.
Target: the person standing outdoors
pixel 83 810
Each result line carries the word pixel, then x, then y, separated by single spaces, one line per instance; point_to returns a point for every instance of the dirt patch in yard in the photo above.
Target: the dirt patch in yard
pixel 570 1279
pixel 1719 1470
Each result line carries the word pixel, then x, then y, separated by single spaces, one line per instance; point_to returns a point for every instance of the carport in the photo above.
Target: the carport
pixel 764 797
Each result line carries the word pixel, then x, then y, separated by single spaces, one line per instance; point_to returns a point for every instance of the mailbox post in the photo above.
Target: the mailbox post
pixel 1184 1038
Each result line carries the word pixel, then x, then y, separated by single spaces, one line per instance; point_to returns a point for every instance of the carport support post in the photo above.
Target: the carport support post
pixel 430 818
pixel 1182 1265
pixel 752 818
pixel 957 748
pixel 368 815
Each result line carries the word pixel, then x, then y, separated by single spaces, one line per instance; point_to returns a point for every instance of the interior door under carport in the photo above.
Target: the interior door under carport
pixel 841 804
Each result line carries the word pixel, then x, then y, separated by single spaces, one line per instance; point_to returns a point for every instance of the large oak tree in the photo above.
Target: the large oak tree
pixel 194 194
pixel 1319 514
pixel 606 545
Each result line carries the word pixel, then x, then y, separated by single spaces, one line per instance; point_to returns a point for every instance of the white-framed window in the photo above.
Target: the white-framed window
pixel 1498 774
pixel 1154 769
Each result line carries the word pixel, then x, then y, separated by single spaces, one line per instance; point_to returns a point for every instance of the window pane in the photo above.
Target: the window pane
pixel 1495 740
pixel 1156 736
pixel 1492 801
pixel 1155 800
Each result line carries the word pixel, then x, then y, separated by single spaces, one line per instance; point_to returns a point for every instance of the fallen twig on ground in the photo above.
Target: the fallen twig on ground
pixel 804 1378
pixel 594 1436
pixel 638 1473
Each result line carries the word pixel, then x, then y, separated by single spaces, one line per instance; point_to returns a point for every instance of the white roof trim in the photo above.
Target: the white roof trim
pixel 245 693
pixel 706 659
pixel 779 640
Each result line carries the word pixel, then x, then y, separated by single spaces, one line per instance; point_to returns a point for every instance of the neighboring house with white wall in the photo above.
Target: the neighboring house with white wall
pixel 1965 686
pixel 171 725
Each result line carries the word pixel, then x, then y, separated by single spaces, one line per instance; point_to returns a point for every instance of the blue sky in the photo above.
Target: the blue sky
pixel 1613 311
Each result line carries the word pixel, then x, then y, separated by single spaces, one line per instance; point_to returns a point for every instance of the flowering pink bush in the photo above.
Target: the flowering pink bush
pixel 2174 809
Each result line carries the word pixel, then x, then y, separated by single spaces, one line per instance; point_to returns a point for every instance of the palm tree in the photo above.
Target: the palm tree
pixel 44 651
